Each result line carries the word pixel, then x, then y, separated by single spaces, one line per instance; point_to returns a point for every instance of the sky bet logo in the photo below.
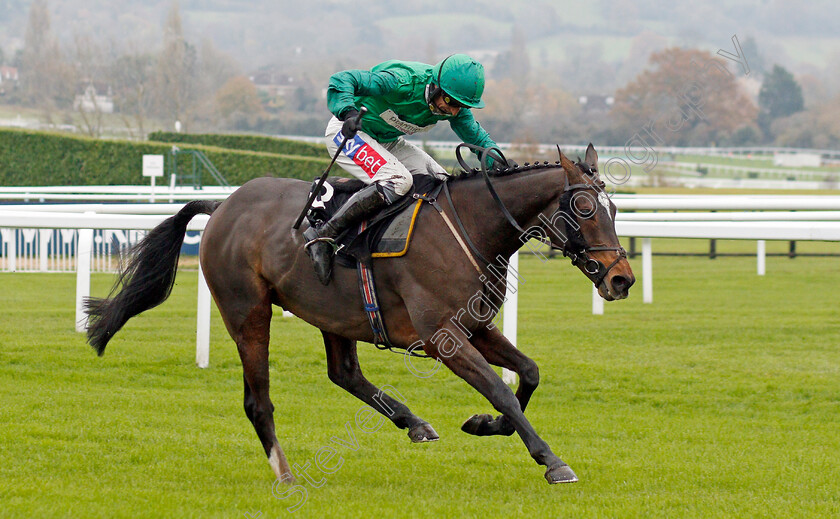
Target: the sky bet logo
pixel 366 157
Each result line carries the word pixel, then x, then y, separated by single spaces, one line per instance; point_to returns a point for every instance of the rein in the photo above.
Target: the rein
pixel 484 154
pixel 580 257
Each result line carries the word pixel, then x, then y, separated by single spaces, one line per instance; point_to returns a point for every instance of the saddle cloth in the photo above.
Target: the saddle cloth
pixel 385 235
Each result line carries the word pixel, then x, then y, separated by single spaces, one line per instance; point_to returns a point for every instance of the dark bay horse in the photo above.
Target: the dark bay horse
pixel 253 259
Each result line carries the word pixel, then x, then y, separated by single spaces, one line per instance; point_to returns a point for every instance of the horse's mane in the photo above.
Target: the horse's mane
pixel 510 170
pixel 511 167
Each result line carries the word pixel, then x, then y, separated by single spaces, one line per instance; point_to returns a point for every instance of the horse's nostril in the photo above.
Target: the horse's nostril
pixel 621 283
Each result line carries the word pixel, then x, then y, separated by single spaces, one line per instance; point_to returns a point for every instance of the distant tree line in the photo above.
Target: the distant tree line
pixel 684 97
pixel 177 83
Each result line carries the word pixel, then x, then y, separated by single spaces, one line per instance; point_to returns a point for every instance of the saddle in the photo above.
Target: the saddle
pixel 388 233
pixel 385 235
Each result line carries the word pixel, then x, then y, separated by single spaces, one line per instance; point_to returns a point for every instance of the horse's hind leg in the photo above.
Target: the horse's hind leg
pixel 248 320
pixel 343 369
pixel 498 351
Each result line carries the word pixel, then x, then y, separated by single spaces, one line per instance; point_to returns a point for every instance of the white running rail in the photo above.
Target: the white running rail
pixel 77 220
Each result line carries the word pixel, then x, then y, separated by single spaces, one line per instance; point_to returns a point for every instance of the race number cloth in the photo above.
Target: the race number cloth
pixel 386 235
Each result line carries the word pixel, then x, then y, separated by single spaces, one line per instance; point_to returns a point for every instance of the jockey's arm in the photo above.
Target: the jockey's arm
pixel 470 131
pixel 344 86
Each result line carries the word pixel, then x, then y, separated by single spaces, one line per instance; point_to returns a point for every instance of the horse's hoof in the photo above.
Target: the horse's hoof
pixel 477 424
pixel 423 432
pixel 287 478
pixel 560 474
pixel 486 425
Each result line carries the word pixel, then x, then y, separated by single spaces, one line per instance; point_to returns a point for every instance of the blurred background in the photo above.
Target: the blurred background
pixel 734 361
pixel 558 71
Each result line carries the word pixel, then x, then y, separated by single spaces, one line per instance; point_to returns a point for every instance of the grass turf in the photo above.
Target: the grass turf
pixel 721 399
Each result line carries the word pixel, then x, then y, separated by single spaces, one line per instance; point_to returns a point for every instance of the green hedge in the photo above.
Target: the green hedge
pixel 244 142
pixel 29 158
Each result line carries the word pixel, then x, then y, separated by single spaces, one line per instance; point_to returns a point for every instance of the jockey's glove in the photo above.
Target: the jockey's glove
pixel 499 165
pixel 352 123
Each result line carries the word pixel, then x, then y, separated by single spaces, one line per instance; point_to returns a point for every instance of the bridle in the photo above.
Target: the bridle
pixel 580 257
pixel 575 246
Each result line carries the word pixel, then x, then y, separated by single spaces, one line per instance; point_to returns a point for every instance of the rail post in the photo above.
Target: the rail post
pixel 511 310
pixel 762 257
pixel 202 330
pixel 597 302
pixel 83 253
pixel 647 271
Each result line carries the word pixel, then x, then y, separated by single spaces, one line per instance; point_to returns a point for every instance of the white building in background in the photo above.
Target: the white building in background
pixel 90 100
pixel 8 79
pixel 797 160
pixel 596 102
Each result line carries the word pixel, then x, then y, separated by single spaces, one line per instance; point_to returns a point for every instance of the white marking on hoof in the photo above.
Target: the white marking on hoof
pixel 274 460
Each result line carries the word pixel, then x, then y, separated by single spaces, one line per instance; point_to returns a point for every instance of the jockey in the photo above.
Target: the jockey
pixel 401 98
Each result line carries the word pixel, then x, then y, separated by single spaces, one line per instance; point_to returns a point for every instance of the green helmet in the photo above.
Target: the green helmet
pixel 461 77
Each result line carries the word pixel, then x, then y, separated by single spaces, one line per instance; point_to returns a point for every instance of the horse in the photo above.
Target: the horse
pixel 253 259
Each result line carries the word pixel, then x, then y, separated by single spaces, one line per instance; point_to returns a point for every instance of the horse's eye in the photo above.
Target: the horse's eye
pixel 583 207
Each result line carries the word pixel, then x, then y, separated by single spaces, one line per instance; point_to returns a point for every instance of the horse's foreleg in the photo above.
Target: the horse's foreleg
pixel 453 348
pixel 498 351
pixel 343 369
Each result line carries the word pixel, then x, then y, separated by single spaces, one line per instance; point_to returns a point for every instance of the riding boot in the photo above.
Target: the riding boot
pixel 320 245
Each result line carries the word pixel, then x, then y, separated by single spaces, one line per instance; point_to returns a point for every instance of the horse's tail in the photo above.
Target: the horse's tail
pixel 146 280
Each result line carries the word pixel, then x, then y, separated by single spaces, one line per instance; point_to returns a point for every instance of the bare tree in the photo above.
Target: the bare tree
pixel 215 69
pixel 133 78
pixel 44 76
pixel 514 63
pixel 176 71
pixel 89 75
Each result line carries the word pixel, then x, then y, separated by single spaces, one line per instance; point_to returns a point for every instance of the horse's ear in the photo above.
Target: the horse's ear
pixel 567 164
pixel 591 156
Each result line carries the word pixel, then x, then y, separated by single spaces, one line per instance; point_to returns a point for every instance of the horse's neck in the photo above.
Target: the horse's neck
pixel 526 195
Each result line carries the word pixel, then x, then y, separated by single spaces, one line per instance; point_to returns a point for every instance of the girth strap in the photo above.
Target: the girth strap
pixel 371 305
pixel 374 312
pixel 370 301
